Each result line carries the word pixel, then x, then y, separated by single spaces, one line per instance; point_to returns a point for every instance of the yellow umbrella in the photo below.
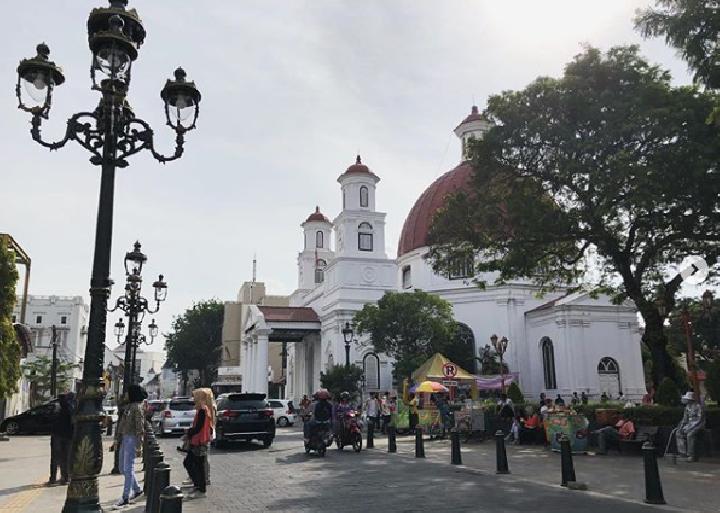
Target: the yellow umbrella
pixel 430 387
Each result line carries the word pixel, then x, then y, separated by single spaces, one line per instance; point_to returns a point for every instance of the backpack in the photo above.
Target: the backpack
pixel 323 411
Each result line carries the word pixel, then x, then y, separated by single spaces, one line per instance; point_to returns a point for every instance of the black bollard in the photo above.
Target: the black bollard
pixel 419 443
pixel 501 456
pixel 371 435
pixel 455 456
pixel 653 486
pixel 392 440
pixel 156 456
pixel 171 500
pixel 567 469
pixel 160 481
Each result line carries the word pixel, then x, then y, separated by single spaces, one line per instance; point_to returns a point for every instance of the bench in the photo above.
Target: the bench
pixel 642 434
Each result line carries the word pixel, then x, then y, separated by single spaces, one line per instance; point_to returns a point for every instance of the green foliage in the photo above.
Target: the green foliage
pixel 9 346
pixel 409 327
pixel 38 372
pixel 342 379
pixel 608 167
pixel 705 329
pixel 712 380
pixel 515 394
pixel 195 341
pixel 693 28
pixel 668 393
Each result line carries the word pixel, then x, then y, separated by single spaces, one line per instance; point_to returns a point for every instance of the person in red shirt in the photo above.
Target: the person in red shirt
pixel 624 429
pixel 530 428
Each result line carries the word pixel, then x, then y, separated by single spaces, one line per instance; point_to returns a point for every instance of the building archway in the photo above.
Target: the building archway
pixel 371 371
pixel 609 376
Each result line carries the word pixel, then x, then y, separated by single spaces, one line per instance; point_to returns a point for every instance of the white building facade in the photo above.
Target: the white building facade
pixel 559 344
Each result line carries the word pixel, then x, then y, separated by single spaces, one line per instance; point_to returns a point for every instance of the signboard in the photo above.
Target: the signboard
pixel 450 383
pixel 230 370
pixel 449 370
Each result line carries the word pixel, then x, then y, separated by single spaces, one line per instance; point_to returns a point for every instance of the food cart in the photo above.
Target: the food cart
pixel 560 422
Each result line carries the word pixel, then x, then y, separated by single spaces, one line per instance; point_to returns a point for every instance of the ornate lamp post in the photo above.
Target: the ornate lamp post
pixel 347 335
pixel 500 347
pixel 134 306
pixel 111 133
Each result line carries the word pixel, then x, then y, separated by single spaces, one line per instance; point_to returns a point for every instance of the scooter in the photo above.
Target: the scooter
pixel 320 438
pixel 350 433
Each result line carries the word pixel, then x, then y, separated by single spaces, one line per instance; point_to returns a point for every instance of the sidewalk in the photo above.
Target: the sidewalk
pixel 689 486
pixel 25 466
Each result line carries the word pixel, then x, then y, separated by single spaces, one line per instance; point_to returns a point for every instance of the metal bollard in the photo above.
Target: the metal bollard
pixel 419 443
pixel 156 456
pixel 653 486
pixel 501 455
pixel 371 435
pixel 567 470
pixel 392 440
pixel 455 456
pixel 171 500
pixel 160 481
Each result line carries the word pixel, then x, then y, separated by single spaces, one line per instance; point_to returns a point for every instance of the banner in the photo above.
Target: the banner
pixel 495 381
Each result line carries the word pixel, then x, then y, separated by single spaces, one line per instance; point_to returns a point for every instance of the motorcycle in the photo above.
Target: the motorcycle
pixel 350 432
pixel 320 438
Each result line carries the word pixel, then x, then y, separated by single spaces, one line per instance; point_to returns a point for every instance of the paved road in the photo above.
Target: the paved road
pixel 250 479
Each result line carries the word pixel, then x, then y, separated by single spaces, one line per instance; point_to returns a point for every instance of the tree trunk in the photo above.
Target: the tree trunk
pixel 656 340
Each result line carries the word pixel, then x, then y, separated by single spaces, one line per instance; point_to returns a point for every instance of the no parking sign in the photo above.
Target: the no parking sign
pixel 449 370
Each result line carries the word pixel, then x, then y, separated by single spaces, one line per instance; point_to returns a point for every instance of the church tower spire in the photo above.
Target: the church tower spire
pixel 472 127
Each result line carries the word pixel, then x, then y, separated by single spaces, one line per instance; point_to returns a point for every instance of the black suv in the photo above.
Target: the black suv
pixel 244 417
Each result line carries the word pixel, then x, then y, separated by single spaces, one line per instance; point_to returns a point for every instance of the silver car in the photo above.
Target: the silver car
pixel 177 416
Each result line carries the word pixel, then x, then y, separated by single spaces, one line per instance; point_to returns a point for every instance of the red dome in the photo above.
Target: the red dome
pixel 317 216
pixel 415 230
pixel 358 168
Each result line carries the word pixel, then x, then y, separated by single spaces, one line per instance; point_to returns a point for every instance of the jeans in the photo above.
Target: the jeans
pixel 685 441
pixel 127 464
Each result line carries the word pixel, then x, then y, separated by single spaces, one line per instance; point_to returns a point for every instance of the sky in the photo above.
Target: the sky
pixel 292 91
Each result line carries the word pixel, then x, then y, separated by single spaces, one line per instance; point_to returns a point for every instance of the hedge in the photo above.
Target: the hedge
pixel 667 416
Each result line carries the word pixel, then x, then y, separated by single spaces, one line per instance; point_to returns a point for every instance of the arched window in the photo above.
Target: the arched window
pixel 363 196
pixel 320 266
pixel 365 237
pixel 319 239
pixel 548 359
pixel 609 377
pixel 371 370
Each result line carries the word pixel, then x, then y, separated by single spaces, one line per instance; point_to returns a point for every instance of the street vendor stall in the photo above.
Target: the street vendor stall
pixel 560 422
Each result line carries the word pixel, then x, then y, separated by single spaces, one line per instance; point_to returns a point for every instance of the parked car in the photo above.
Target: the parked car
pixel 284 411
pixel 155 409
pixel 244 417
pixel 37 420
pixel 177 416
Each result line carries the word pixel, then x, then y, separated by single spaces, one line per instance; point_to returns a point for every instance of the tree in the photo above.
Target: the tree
pixel 668 393
pixel 340 378
pixel 409 327
pixel 693 28
pixel 9 346
pixel 38 372
pixel 712 380
pixel 705 329
pixel 515 394
pixel 607 169
pixel 195 341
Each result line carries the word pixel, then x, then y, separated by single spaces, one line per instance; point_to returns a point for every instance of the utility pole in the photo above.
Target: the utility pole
pixel 53 375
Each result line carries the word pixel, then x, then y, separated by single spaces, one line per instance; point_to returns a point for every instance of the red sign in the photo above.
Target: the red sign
pixel 449 370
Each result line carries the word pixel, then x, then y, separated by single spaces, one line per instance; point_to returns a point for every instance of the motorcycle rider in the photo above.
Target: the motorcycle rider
pixel 322 413
pixel 341 409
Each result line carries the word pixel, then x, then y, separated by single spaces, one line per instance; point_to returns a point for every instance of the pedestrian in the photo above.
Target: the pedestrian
pixel 199 436
pixel 131 430
pixel 542 398
pixel 305 408
pixel 61 433
pixel 583 398
pixel 575 400
pixel 603 398
pixel 385 412
pixel 559 401
pixel 624 429
pixel 506 413
pixel 372 409
pixel 412 411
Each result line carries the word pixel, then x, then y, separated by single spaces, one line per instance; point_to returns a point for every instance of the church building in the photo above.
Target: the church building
pixel 558 344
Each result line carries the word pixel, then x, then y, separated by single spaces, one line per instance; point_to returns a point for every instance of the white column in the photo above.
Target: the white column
pixel 250 365
pixel 263 342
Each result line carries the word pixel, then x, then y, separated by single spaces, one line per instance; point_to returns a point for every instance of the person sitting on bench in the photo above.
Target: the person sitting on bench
pixel 692 422
pixel 624 429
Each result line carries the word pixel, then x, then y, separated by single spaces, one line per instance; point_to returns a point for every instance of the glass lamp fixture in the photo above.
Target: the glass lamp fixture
pixel 37 76
pixel 182 101
pixel 134 260
pixel 160 289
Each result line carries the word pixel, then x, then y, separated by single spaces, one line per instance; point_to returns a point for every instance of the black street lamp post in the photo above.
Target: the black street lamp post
pixel 135 306
pixel 347 335
pixel 111 133
pixel 500 346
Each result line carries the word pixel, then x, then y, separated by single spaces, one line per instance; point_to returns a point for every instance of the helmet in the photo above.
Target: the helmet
pixel 322 394
pixel 345 396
